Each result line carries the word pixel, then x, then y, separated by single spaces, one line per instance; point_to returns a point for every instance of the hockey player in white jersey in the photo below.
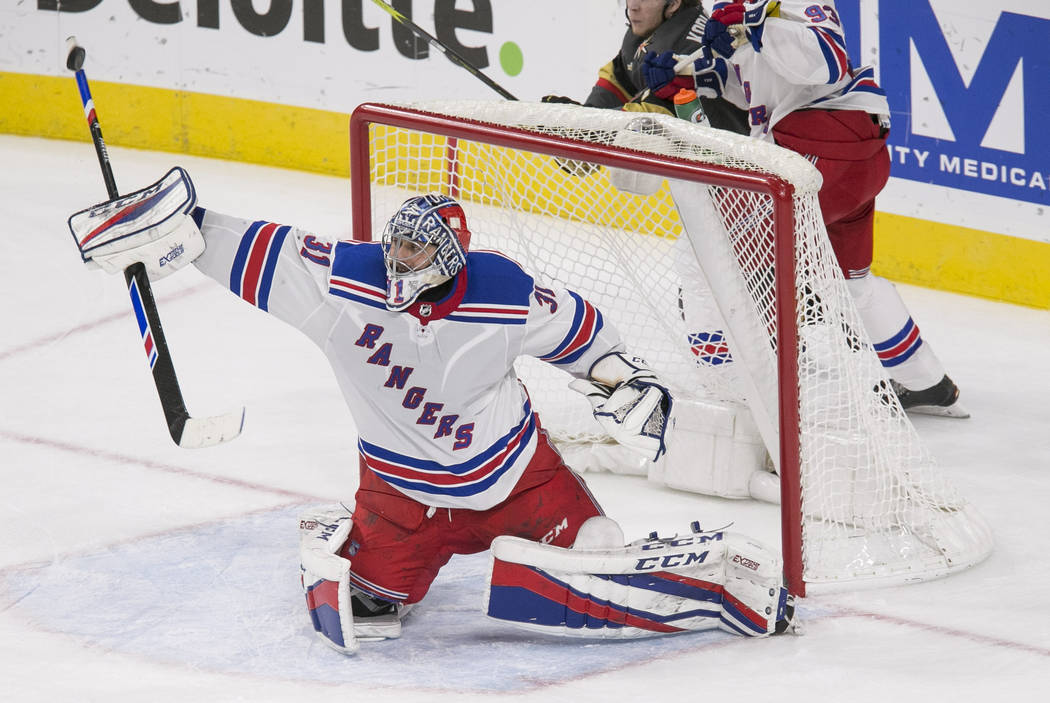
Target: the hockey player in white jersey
pixel 422 335
pixel 785 63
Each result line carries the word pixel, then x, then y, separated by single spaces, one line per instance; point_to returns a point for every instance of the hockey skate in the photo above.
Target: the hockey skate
pixel 942 398
pixel 375 619
pixel 787 623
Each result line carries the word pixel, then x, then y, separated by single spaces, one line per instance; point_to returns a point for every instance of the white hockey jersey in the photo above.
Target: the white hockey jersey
pixel 440 413
pixel 802 64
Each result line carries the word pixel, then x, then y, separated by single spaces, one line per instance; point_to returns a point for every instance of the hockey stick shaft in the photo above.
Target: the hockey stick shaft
pixel 201 433
pixel 448 51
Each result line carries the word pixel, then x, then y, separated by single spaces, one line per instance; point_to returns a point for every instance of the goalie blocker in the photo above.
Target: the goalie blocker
pixel 702 581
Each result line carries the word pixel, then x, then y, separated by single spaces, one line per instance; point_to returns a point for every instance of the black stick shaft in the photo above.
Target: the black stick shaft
pixel 448 51
pixel 142 300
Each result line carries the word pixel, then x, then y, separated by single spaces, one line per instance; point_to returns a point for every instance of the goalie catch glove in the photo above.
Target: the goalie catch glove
pixel 151 226
pixel 630 403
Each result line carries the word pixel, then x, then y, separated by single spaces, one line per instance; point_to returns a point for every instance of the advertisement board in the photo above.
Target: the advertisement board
pixel 272 81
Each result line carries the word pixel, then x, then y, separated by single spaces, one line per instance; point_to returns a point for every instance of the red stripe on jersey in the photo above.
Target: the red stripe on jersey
pixel 837 51
pixel 370 292
pixel 256 260
pixel 614 89
pixel 472 309
pixel 446 478
pixel 583 336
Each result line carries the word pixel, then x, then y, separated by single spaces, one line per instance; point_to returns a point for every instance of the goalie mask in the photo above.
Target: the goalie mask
pixel 424 244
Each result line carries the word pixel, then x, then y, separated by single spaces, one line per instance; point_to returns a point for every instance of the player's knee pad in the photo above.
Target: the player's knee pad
pixel 655 586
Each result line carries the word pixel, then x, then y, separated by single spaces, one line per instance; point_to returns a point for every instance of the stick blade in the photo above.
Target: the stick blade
pixel 200 432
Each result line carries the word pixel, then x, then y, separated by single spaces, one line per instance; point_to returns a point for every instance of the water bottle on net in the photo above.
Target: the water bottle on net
pixel 687 106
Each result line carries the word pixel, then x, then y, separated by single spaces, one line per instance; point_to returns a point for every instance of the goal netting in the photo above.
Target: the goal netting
pixel 707 251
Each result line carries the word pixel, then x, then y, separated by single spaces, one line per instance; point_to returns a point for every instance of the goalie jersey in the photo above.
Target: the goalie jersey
pixel 440 413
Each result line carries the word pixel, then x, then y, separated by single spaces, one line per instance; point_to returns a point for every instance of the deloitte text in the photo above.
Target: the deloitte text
pixel 447 21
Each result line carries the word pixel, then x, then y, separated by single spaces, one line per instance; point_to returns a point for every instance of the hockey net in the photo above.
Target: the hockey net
pixel 707 252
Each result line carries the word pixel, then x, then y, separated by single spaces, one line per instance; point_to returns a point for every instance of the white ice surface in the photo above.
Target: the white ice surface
pixel 132 570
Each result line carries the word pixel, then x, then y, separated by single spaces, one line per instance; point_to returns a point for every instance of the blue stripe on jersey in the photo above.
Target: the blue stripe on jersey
pixel 471 489
pixel 864 82
pixel 487 320
pixel 357 298
pixel 457 469
pixel 599 322
pixel 578 340
pixel 266 280
pixel 834 54
pixel 521 434
pixel 245 247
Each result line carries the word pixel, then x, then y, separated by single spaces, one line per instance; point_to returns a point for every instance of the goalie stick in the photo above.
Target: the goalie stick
pixel 186 431
pixel 449 53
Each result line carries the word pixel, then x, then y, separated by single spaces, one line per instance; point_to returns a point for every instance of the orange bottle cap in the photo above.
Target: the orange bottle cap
pixel 684 96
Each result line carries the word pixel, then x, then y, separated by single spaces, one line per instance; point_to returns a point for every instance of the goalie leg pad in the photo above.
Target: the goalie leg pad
pixel 654 587
pixel 325 575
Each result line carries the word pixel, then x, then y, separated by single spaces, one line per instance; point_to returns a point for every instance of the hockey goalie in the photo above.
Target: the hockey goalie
pixel 422 333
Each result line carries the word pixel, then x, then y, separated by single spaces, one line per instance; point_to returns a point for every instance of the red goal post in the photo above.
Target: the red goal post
pixel 549 179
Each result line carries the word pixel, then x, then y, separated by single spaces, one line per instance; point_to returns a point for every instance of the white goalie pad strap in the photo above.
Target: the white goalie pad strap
pixel 151 226
pixel 657 587
pixel 326 575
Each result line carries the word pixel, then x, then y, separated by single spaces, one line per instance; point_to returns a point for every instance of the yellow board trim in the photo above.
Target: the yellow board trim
pixel 178 121
pixel 962 260
pixel 909 250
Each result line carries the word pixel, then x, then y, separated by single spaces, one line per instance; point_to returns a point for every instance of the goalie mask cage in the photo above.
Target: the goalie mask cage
pixel 631 210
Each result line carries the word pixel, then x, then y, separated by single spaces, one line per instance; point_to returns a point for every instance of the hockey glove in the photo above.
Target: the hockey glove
pixel 152 226
pixel 558 99
pixel 710 73
pixel 326 575
pixel 733 25
pixel 630 403
pixel 660 76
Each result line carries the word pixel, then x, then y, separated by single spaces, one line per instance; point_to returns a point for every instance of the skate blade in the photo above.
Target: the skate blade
pixel 954 410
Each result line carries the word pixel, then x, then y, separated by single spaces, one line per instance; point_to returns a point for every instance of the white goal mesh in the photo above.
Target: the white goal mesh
pixel 663 223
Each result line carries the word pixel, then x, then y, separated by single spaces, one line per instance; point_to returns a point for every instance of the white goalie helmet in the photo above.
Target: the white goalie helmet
pixel 425 244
